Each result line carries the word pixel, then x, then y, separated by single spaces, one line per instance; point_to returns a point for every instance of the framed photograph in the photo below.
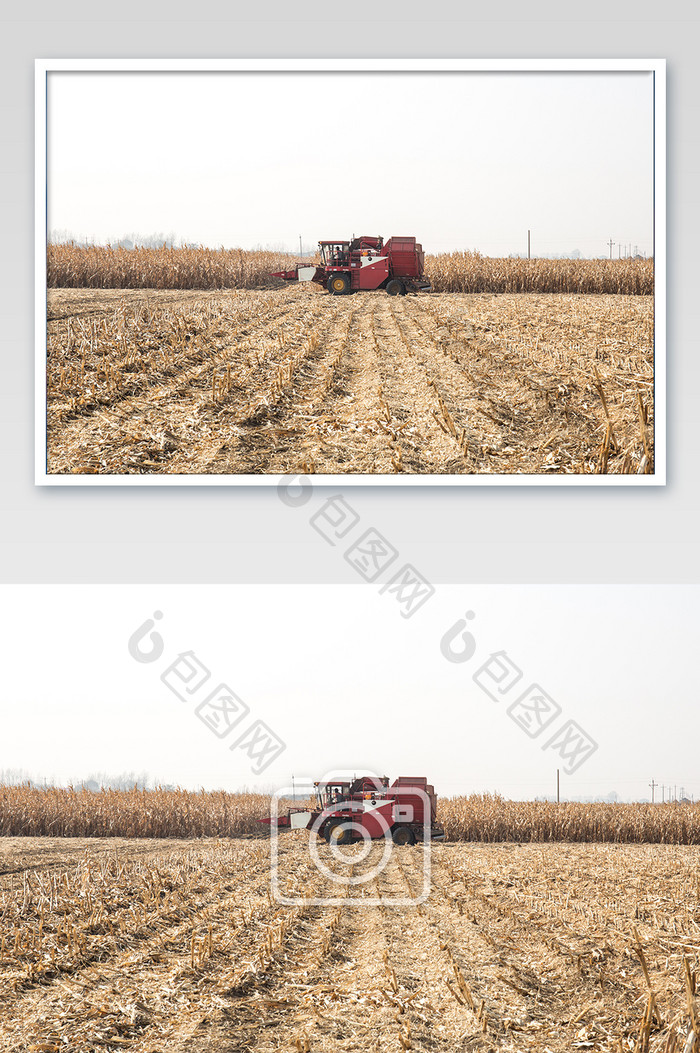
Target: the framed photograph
pixel 383 272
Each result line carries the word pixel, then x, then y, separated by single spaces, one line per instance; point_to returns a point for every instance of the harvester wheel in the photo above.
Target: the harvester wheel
pixel 395 288
pixel 338 284
pixel 340 833
pixel 403 835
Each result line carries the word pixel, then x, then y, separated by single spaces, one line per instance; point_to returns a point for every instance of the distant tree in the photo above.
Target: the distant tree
pixel 125 781
pixel 154 241
pixel 60 237
pixel 15 777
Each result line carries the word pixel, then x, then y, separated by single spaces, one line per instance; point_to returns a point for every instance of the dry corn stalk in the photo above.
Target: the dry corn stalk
pixel 106 267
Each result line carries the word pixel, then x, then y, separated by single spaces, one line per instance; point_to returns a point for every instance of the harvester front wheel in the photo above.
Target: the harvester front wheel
pixel 340 834
pixel 395 288
pixel 403 835
pixel 338 284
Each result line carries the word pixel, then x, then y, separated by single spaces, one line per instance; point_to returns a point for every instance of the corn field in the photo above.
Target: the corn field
pixel 470 272
pixel 72 266
pixel 54 812
pixel 491 818
pixel 31 812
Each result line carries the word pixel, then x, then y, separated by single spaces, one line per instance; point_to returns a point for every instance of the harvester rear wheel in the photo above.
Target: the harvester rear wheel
pixel 395 288
pixel 338 284
pixel 403 835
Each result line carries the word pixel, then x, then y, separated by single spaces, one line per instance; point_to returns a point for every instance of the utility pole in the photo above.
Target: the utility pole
pixel 528 244
pixel 662 793
pixel 301 252
pixel 557 786
pixel 653 784
pixel 611 243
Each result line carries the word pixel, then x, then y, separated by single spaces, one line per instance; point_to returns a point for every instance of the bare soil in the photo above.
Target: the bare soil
pixel 295 380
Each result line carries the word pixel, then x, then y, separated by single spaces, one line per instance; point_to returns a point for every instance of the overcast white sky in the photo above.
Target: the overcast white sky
pixel 461 160
pixel 347 683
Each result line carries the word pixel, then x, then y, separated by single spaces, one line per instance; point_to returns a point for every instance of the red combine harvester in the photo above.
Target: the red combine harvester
pixel 367 807
pixel 365 263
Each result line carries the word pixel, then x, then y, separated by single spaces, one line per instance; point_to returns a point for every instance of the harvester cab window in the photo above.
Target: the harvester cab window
pixel 334 255
pixel 330 795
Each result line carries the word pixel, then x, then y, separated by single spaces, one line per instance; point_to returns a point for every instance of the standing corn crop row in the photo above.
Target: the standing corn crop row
pixel 60 812
pixel 57 812
pixel 486 817
pixel 98 267
pixel 470 272
pixel 103 267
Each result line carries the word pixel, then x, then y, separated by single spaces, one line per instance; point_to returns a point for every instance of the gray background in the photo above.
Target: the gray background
pixel 217 534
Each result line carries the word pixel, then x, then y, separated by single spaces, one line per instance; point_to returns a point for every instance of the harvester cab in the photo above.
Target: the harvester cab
pixel 328 793
pixel 333 253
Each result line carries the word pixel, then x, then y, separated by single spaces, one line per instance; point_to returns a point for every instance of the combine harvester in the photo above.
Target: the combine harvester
pixel 365 263
pixel 367 808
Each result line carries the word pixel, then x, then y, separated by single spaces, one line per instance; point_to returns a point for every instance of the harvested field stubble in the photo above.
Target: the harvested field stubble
pixel 295 380
pixel 542 948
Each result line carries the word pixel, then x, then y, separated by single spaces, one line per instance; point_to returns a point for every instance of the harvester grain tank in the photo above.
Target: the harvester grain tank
pixel 368 808
pixel 365 263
